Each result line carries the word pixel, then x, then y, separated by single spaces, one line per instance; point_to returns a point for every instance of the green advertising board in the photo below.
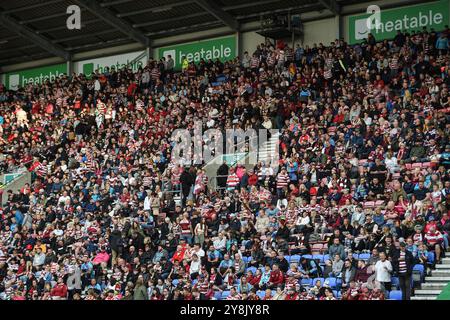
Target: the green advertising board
pixel 133 60
pixel 409 18
pixel 221 48
pixel 16 79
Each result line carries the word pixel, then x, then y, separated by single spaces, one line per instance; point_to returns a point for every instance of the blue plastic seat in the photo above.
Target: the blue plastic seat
pixel 395 295
pixel 295 258
pixel 364 256
pixel 431 258
pixel 252 269
pixel 338 283
pixel 395 282
pixel 288 259
pixel 326 257
pixel 218 295
pixel 337 293
pixel 318 257
pixel 307 282
pixel 260 294
pixel 307 256
pixel 225 294
pixel 221 78
pixel 332 282
pixel 321 281
pixel 419 268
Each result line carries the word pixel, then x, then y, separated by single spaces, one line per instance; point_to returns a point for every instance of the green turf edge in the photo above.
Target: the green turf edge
pixel 445 294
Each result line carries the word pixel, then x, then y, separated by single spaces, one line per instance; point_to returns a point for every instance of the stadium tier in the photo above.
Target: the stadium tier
pixel 347 198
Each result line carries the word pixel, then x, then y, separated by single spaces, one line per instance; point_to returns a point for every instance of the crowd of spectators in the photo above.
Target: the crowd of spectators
pixel 364 170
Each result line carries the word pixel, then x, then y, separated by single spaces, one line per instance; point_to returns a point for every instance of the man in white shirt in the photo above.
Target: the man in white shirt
pixel 63 199
pixel 383 270
pixel 195 266
pixel 198 251
pixel 220 242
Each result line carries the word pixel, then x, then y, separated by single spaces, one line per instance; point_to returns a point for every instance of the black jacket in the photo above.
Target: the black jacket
pixel 408 258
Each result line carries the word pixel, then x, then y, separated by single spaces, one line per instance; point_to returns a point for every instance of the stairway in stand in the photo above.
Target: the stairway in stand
pixel 268 152
pixel 434 284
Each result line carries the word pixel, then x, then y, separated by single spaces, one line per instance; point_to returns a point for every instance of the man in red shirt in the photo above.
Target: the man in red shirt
pixel 291 295
pixel 59 292
pixel 276 277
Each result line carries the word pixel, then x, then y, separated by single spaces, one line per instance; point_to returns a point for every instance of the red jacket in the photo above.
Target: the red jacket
pixel 291 296
pixel 59 290
pixel 252 180
pixel 254 280
pixel 276 277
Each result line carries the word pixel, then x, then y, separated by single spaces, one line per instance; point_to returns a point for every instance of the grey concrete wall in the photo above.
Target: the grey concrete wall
pixel 15 185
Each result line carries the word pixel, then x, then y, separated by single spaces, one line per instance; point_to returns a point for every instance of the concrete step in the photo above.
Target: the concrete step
pixel 440 273
pixel 423 298
pixel 427 292
pixel 445 260
pixel 443 266
pixel 445 279
pixel 433 285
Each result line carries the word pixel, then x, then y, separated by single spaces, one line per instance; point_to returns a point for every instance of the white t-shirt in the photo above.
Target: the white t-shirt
pixel 383 271
pixel 195 266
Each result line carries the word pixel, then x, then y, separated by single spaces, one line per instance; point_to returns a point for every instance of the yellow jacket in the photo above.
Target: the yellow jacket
pixel 184 64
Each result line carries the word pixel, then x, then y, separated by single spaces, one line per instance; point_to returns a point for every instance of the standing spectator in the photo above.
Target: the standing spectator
pixel 403 262
pixel 383 270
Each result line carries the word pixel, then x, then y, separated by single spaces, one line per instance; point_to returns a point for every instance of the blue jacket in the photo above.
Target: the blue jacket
pixel 442 43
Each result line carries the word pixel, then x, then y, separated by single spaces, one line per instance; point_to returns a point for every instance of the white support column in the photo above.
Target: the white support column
pixel 69 67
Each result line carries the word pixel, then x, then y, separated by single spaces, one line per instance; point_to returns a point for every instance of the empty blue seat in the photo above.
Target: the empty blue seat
pixel 225 294
pixel 331 282
pixel 306 282
pixel 295 258
pixel 418 274
pixel 395 282
pixel 419 268
pixel 252 269
pixel 288 259
pixel 326 257
pixel 307 256
pixel 395 295
pixel 261 294
pixel 218 295
pixel 318 257
pixel 364 256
